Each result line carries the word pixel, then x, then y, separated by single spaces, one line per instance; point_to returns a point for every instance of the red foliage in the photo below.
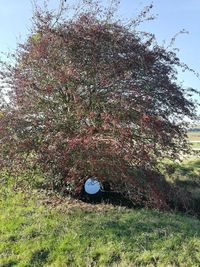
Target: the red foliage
pixel 91 96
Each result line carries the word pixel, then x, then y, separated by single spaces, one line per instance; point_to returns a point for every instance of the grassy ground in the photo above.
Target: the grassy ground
pixel 185 174
pixel 195 144
pixel 45 230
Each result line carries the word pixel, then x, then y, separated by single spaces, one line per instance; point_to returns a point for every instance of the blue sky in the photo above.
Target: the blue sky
pixel 172 16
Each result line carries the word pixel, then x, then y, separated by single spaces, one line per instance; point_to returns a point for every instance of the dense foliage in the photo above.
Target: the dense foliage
pixel 89 94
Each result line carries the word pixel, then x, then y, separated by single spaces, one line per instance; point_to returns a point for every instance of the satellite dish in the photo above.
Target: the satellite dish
pixel 92 186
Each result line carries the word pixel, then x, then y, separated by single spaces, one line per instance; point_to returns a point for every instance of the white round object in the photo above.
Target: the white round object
pixel 92 186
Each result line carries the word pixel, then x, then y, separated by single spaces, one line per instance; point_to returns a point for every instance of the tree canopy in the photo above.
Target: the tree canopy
pixel 91 94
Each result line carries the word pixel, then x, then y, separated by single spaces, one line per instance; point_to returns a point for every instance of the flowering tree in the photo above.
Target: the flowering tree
pixel 91 95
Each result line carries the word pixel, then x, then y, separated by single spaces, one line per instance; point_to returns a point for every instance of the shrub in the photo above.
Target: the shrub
pixel 89 94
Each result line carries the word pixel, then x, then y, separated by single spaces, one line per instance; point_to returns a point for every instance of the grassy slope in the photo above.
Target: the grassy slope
pixel 44 231
pixel 64 234
pixel 186 175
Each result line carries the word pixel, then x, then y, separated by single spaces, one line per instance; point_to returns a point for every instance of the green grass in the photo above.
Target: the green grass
pixel 195 145
pixel 185 174
pixel 68 233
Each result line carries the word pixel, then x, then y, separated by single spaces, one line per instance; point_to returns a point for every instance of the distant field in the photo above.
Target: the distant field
pixel 194 137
